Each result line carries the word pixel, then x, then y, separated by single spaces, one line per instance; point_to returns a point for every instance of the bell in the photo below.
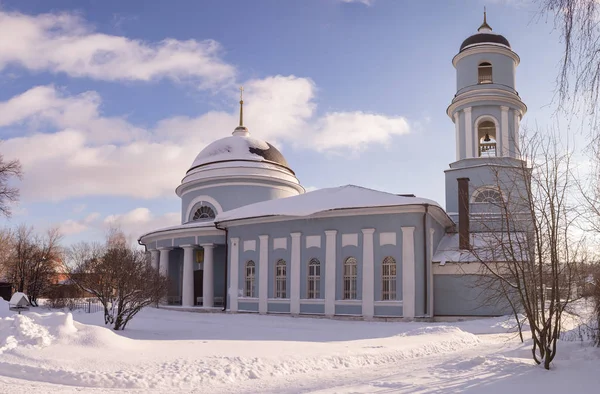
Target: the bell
pixel 487 138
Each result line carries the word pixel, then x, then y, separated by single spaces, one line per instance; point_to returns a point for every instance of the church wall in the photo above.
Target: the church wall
pixel 184 241
pixel 219 258
pixel 460 295
pixel 174 272
pixel 276 307
pixel 346 246
pixel 248 306
pixel 232 194
pixel 503 69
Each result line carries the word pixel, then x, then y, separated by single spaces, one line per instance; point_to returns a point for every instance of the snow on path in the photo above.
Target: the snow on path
pixel 192 352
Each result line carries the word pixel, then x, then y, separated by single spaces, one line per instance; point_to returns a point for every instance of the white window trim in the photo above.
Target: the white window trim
pixel 278 301
pixel 315 301
pixel 482 189
pixel 348 302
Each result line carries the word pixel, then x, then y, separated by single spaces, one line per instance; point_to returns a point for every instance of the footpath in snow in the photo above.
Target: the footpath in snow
pixel 44 351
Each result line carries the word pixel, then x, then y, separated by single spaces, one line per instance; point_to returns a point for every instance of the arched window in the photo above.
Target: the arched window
pixel 487 195
pixel 280 279
pixel 314 279
pixel 486 132
pixel 388 279
pixel 350 278
pixel 250 284
pixel 484 73
pixel 204 213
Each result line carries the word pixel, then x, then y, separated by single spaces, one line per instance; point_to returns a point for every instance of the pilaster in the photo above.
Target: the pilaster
pixel 469 136
pixel 234 273
pixel 295 274
pixel 330 274
pixel 408 272
pixel 504 132
pixel 368 274
pixel 187 293
pixel 263 273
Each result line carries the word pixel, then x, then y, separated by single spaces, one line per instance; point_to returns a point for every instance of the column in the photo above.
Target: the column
pixel 208 280
pixel 368 274
pixel 234 273
pixel 457 132
pixel 163 265
pixel 295 274
pixel 430 267
pixel 408 272
pixel 187 293
pixel 154 258
pixel 263 273
pixel 469 137
pixel 516 135
pixel 330 275
pixel 504 132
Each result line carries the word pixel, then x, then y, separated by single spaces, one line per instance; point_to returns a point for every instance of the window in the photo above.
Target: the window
pixel 280 280
pixel 484 73
pixel 487 138
pixel 388 277
pixel 488 195
pixel 250 286
pixel 350 278
pixel 204 212
pixel 314 279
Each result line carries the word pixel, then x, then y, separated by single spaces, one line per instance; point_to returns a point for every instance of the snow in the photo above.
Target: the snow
pixel 230 148
pixel 174 351
pixel 322 200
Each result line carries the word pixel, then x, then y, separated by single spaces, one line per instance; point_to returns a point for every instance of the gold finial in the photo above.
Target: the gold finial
pixel 484 25
pixel 241 106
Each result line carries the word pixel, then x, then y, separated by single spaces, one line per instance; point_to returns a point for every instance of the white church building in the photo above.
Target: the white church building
pixel 252 240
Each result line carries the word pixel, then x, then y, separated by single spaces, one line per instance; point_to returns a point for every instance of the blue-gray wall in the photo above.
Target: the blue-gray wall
pixel 466 295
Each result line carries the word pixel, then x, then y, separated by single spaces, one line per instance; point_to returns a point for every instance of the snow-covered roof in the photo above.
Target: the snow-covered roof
pixel 485 247
pixel 322 200
pixel 239 147
pixel 189 225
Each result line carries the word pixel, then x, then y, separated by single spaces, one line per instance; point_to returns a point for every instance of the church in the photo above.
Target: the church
pixel 252 240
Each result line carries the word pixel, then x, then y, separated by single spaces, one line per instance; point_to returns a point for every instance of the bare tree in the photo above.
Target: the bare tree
pixel 8 194
pixel 120 277
pixel 531 252
pixel 32 260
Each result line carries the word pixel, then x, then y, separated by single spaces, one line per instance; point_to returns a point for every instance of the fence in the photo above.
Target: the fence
pixel 89 305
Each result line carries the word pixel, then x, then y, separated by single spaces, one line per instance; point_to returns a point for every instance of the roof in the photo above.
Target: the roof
pixel 322 200
pixel 189 225
pixel 239 148
pixel 485 247
pixel 484 38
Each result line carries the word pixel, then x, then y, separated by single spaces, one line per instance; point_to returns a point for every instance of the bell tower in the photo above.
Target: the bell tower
pixel 486 111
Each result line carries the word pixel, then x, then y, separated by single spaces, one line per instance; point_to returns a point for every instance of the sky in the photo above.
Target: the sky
pixel 107 103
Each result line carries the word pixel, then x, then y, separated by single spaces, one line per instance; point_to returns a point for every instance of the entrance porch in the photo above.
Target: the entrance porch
pixel 196 275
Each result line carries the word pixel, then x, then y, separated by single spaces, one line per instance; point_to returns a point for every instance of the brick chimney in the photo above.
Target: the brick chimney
pixel 463 214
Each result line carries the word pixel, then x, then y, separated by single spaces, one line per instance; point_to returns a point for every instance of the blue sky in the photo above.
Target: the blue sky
pixel 106 103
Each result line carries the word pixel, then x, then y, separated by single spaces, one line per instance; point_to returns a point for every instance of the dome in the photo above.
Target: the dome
pixel 484 38
pixel 240 147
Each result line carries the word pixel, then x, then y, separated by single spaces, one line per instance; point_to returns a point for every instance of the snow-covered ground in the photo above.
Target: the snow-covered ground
pixel 169 351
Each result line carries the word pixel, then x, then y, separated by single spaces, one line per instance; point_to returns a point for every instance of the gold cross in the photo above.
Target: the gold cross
pixel 241 93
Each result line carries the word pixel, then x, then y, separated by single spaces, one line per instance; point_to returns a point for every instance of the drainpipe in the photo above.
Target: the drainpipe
pixel 464 242
pixel 426 263
pixel 226 264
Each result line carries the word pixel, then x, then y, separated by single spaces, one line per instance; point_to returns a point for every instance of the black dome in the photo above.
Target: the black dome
pixel 484 38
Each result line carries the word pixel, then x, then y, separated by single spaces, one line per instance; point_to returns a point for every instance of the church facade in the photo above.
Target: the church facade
pixel 252 239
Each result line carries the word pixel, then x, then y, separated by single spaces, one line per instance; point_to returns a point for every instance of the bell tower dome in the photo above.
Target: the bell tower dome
pixel 486 111
pixel 486 108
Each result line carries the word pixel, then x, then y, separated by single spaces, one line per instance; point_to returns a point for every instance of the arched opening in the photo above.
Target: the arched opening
pixel 487 194
pixel 314 279
pixel 484 73
pixel 486 133
pixel 250 285
pixel 350 278
pixel 204 212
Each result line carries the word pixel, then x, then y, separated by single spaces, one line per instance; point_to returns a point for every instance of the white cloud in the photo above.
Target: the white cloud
pixel 140 220
pixel 65 43
pixel 87 153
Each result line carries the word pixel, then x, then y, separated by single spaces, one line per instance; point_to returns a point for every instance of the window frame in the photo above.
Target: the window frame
pixel 389 284
pixel 350 279
pixel 250 279
pixel 486 190
pixel 485 74
pixel 313 288
pixel 280 289
pixel 210 216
